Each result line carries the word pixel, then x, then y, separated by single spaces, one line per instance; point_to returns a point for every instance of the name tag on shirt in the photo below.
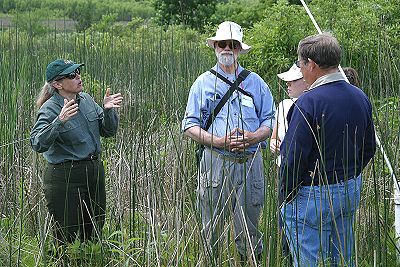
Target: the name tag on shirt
pixel 247 101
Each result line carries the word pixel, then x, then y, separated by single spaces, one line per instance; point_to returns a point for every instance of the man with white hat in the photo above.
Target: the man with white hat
pixel 295 87
pixel 231 119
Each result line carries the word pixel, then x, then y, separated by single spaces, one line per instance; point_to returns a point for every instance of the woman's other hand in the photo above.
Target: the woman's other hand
pixel 112 101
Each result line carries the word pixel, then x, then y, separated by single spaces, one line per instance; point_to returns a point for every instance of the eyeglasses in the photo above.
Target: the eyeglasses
pixel 70 76
pixel 232 44
pixel 305 62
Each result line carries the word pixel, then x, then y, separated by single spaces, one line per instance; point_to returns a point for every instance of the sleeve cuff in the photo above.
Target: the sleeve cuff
pixel 188 125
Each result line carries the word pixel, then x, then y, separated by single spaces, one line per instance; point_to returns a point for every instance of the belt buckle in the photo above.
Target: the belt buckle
pixel 92 156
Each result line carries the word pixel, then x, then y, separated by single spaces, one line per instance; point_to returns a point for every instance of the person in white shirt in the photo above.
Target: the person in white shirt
pixel 295 87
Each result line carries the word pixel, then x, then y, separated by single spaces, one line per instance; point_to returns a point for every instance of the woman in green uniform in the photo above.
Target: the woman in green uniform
pixel 67 131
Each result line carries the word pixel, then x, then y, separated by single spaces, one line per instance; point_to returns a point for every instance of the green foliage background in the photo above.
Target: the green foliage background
pixel 272 28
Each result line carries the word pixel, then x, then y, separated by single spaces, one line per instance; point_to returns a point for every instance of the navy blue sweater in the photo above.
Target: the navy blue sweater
pixel 330 137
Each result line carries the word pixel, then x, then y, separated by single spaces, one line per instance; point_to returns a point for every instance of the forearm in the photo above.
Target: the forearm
pixel 44 134
pixel 110 123
pixel 261 134
pixel 203 137
pixel 275 142
pixel 369 146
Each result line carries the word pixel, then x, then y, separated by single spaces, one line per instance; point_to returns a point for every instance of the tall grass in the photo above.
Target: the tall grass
pixel 150 168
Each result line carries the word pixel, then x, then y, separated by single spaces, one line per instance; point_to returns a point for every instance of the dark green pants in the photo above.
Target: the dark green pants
pixel 76 198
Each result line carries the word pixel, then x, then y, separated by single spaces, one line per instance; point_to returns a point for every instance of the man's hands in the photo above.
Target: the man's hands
pixel 112 101
pixel 238 140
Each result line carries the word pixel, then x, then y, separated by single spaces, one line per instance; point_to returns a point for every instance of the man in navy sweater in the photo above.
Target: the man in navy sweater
pixel 329 141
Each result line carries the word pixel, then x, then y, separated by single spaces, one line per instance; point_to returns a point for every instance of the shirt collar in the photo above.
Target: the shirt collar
pixel 230 75
pixel 79 97
pixel 328 78
pixel 60 99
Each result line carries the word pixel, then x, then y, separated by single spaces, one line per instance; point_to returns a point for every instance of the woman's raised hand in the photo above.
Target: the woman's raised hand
pixel 112 101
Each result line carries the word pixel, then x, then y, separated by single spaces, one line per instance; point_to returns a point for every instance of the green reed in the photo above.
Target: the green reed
pixel 152 218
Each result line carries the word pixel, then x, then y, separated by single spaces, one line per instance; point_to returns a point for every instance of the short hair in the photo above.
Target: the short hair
pixel 352 76
pixel 323 49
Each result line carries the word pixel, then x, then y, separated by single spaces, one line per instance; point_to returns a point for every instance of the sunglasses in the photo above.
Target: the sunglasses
pixel 70 76
pixel 231 44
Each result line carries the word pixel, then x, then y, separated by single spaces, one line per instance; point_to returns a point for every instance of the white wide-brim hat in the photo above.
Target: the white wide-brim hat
pixel 292 74
pixel 229 30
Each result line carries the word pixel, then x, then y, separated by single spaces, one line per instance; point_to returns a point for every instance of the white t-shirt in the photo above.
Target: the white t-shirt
pixel 280 118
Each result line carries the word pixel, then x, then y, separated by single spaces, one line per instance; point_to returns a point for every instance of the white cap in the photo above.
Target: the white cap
pixel 229 30
pixel 292 74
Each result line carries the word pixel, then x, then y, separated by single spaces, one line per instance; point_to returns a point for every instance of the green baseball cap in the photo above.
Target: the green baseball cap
pixel 60 67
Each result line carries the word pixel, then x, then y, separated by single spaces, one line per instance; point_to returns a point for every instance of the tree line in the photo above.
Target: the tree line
pixel 368 30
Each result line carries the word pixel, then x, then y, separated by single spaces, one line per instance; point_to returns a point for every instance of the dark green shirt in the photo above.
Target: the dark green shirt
pixel 76 138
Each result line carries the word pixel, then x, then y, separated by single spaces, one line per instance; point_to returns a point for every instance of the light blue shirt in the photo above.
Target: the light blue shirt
pixel 240 111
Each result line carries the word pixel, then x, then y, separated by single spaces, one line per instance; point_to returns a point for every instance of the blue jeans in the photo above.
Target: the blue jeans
pixel 318 223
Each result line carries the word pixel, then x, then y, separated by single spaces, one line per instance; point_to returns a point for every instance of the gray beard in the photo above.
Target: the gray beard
pixel 226 59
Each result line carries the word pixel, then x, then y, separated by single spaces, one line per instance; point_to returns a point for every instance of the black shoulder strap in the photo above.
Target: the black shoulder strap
pixel 234 86
pixel 244 73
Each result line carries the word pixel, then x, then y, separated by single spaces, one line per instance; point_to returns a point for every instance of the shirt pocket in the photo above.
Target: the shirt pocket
pixel 249 113
pixel 92 116
pixel 71 132
pixel 223 111
pixel 93 119
pixel 208 109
